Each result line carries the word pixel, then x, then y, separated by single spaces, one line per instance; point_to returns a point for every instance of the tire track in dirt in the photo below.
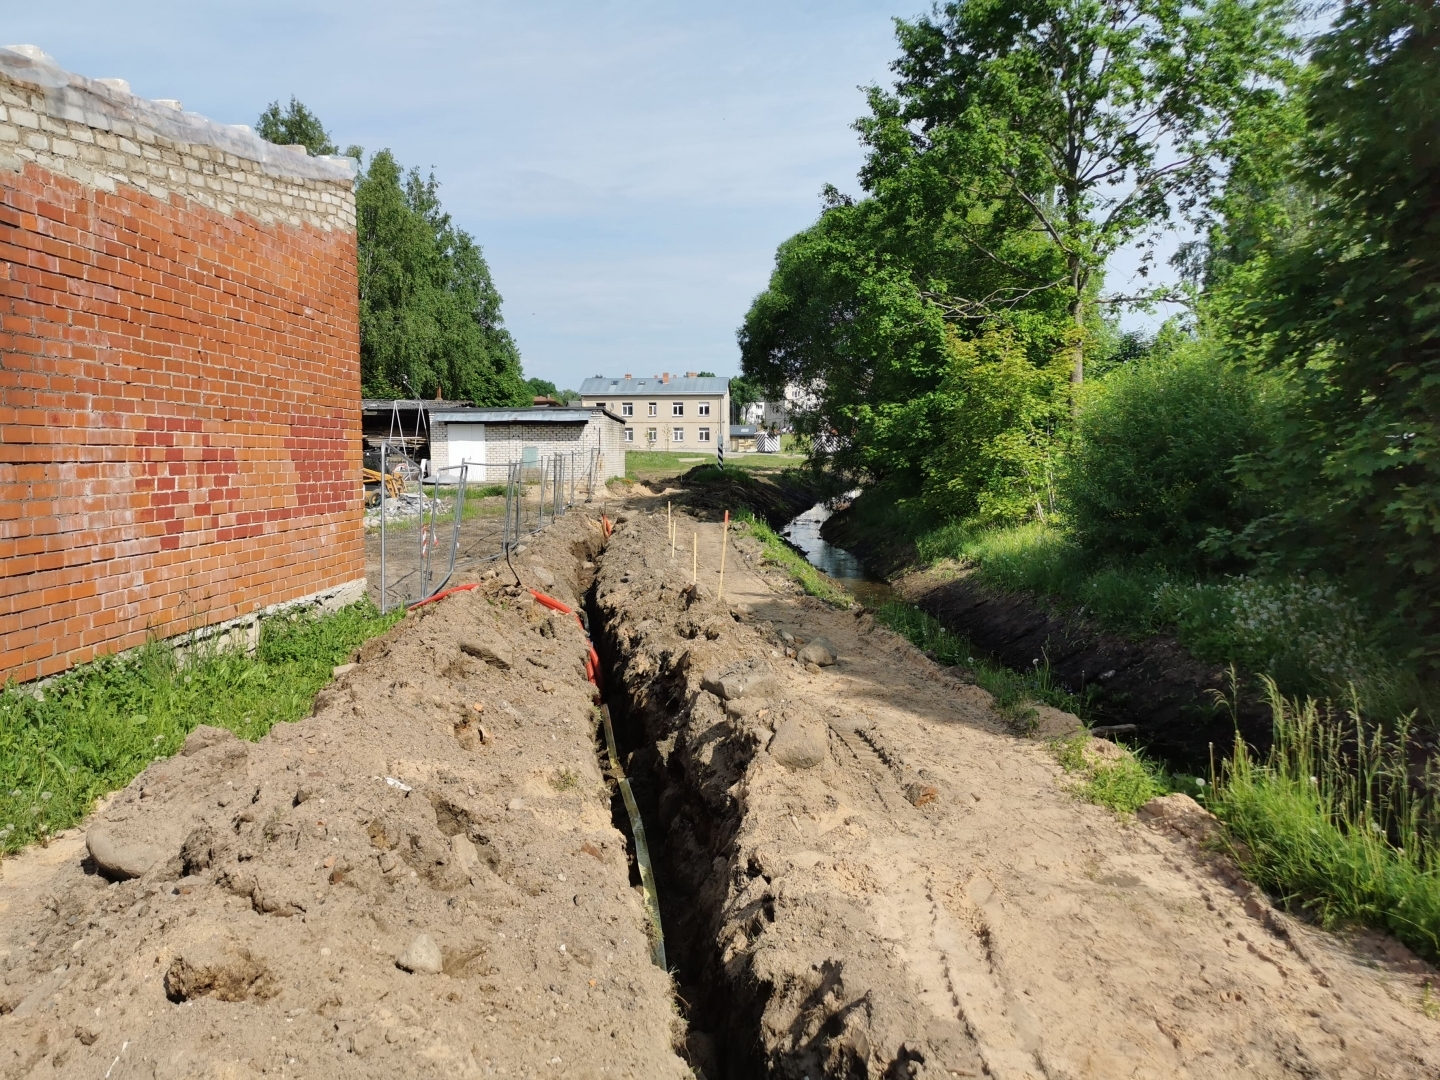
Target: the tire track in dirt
pixel 877 878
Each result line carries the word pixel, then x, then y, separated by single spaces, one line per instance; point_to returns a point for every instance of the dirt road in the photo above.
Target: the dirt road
pixel 869 875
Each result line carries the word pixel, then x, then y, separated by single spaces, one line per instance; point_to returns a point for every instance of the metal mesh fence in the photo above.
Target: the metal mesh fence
pixel 424 532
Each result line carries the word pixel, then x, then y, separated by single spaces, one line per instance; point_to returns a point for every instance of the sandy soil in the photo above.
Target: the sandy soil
pixel 286 877
pixel 870 875
pixel 863 872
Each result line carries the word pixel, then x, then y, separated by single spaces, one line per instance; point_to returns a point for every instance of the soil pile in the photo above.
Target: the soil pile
pixel 422 878
pixel 865 873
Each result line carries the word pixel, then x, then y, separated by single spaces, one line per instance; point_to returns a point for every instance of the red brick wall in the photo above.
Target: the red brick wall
pixel 179 417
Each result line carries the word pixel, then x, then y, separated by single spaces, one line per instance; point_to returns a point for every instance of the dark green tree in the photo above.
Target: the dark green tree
pixel 1088 122
pixel 1349 307
pixel 294 125
pixel 429 312
pixel 542 388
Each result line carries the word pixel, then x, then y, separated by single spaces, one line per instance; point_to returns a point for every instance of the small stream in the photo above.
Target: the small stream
pixel 847 570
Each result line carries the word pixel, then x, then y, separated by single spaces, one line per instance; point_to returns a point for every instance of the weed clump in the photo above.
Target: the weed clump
pixel 1336 821
pixel 1117 778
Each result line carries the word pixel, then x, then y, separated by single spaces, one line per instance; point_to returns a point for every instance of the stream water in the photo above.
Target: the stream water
pixel 847 570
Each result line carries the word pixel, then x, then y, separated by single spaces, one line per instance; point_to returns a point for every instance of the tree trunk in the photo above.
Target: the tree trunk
pixel 1077 351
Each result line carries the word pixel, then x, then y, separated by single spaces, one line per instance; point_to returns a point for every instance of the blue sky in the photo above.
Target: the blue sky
pixel 629 168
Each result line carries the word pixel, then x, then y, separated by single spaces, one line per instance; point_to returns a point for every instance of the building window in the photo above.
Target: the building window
pixel 627 409
pixel 654 408
pixel 629 434
pixel 704 434
pixel 651 435
pixel 704 408
pixel 677 434
pixel 677 408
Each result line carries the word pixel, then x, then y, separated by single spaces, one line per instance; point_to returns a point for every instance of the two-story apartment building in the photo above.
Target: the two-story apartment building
pixel 665 412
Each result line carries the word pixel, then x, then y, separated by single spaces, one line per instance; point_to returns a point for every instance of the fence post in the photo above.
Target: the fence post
pixel 507 538
pixel 384 453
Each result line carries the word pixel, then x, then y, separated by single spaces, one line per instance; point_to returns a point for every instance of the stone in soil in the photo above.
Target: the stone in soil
pixel 421 957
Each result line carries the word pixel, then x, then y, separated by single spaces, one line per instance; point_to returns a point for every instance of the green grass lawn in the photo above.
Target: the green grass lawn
pixel 94 728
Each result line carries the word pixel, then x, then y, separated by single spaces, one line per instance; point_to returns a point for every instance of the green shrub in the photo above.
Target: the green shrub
pixel 1150 470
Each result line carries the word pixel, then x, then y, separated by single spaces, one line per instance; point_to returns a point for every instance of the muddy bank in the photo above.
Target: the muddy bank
pixel 1153 688
pixel 864 872
pixel 422 878
pixel 1155 684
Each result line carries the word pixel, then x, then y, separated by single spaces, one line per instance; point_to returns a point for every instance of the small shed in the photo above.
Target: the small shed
pixel 742 438
pixel 491 440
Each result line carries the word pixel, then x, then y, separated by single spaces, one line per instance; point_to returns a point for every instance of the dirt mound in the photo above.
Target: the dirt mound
pixel 863 872
pixel 423 878
pixel 775 497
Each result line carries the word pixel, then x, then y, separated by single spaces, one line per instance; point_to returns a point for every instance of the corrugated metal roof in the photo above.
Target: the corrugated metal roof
pixel 539 415
pixel 600 386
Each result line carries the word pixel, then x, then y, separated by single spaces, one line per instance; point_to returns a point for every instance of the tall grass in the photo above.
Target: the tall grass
pixel 93 729
pixel 1335 821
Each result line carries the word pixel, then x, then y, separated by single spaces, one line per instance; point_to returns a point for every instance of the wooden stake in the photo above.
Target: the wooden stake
pixel 724 542
pixel 694 558
pixel 670 528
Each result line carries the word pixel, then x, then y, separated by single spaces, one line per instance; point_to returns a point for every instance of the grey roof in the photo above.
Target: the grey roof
pixel 742 429
pixel 601 386
pixel 539 414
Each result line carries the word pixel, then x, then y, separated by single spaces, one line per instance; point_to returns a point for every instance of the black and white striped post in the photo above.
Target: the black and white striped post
pixel 720 451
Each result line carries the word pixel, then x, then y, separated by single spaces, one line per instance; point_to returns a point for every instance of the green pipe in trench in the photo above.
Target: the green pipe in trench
pixel 642 848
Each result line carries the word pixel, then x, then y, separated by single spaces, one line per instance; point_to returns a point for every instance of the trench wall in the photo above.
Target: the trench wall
pixel 179 371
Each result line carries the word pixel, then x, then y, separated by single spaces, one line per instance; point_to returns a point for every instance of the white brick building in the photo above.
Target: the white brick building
pixel 490 440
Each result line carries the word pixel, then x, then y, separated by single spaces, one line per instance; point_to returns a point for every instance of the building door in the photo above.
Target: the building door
pixel 466 446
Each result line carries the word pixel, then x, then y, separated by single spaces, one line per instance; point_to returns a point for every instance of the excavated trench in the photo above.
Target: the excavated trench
pixel 686 682
pixel 689 829
pixel 863 873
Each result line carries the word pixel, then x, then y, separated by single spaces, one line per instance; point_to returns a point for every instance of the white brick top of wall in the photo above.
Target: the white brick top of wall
pixel 102 135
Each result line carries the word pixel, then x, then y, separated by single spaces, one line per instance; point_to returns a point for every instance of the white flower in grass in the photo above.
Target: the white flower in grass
pixel 45 796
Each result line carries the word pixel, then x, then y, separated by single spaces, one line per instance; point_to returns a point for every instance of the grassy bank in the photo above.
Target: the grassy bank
pixel 654 464
pixel 1308 636
pixel 1333 821
pixel 1013 690
pixel 93 729
pixel 781 554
